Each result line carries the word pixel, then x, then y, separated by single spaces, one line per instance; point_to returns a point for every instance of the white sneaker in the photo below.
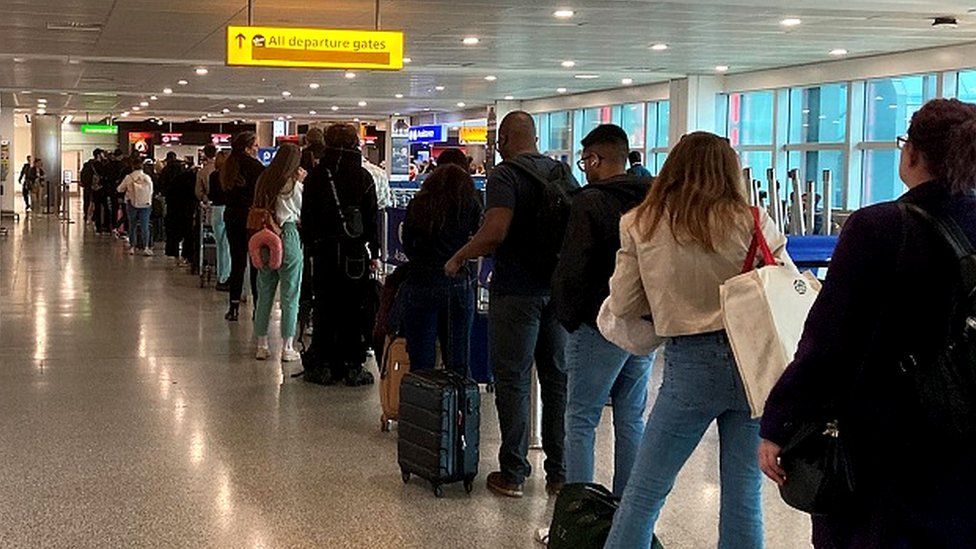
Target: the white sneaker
pixel 263 353
pixel 147 252
pixel 132 250
pixel 542 536
pixel 290 355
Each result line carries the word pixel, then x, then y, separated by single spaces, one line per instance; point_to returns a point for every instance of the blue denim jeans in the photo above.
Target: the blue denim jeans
pixel 597 370
pixel 439 312
pixel 139 219
pixel 701 385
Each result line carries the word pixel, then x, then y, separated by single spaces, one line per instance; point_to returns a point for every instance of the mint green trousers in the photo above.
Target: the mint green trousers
pixel 290 277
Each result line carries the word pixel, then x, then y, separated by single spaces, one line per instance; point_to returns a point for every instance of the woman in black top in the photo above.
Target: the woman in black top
pixel 238 179
pixel 440 220
pixel 885 310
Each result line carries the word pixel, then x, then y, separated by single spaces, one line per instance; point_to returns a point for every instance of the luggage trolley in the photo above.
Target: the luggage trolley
pixel 208 246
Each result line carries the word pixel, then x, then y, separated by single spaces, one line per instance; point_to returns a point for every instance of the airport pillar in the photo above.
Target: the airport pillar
pixel 694 101
pixel 8 161
pixel 46 145
pixel 265 131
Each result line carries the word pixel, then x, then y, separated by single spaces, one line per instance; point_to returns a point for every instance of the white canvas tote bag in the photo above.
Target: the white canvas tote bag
pixel 634 335
pixel 764 311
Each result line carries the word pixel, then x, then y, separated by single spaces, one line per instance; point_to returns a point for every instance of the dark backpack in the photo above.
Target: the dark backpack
pixel 348 231
pixel 552 216
pixel 943 382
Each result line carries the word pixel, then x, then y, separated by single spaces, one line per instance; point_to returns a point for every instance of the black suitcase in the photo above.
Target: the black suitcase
pixel 439 428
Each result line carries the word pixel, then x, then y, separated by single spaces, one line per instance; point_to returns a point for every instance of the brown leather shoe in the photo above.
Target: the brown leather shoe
pixel 553 488
pixel 498 484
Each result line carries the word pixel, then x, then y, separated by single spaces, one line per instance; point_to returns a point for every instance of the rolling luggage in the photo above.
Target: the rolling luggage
pixel 394 366
pixel 439 428
pixel 480 362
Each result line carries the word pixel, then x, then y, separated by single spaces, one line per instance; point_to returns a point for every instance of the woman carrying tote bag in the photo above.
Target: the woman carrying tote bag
pixel 690 235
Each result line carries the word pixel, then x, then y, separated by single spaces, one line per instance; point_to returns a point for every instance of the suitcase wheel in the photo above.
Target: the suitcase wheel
pixel 405 476
pixel 469 485
pixel 438 491
pixel 386 424
pixel 490 387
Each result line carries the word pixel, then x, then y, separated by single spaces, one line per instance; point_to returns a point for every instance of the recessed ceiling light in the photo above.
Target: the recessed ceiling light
pixel 19 60
pixel 839 52
pixel 202 71
pixel 350 75
pixel 312 112
pixel 335 107
pixel 41 111
pixel 260 100
pixel 355 119
pixel 136 107
pixel 289 117
pixel 491 78
pixel 396 114
pixel 74 61
pixel 225 111
pixel 461 104
pixel 721 68
pixel 125 114
pixel 439 88
pixel 182 82
pixel 153 98
pixel 41 100
pixel 407 60
pixel 286 94
pixel 659 47
pixel 586 76
pixel 281 118
pixel 470 40
pixel 144 103
pixel 398 96
pixel 509 97
pixel 626 81
pixel 314 85
pixel 241 106
pixel 426 109
pixel 167 91
pixel 791 22
pixel 563 14
pixel 561 90
pixel 26 92
pixel 568 64
pixel 362 103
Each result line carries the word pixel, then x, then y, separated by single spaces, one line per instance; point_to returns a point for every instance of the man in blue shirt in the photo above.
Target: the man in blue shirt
pixel 637 168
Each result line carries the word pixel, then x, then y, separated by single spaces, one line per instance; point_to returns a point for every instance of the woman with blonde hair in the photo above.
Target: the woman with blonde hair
pixel 279 191
pixel 690 235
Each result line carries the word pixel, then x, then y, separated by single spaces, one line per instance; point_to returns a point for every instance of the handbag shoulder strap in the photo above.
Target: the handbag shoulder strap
pixel 956 240
pixel 758 244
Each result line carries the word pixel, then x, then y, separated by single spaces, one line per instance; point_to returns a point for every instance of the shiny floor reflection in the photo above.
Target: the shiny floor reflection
pixel 132 414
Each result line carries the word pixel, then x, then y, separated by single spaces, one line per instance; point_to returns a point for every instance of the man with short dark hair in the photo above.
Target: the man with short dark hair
pixel 88 180
pixel 637 168
pixel 522 318
pixel 597 370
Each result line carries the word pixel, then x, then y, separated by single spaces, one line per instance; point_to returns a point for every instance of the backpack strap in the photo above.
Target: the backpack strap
pixel 956 240
pixel 527 169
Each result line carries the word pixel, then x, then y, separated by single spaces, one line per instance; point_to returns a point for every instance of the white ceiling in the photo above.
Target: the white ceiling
pixel 146 45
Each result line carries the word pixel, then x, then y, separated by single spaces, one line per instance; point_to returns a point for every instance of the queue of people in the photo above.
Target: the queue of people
pixel 655 249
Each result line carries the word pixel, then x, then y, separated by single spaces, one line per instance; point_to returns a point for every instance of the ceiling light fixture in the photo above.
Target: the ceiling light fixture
pixel 586 76
pixel 396 114
pixel 561 90
pixel 260 100
pixel 144 103
pixel 241 106
pixel 721 68
pixel 407 60
pixel 74 62
pixel 350 75
pixel 202 71
pixel 334 107
pixel 286 93
pixel 509 97
pixel 153 98
pixel 563 14
pixel 312 112
pixel 182 82
pixel 289 117
pixel 491 78
pixel 398 96
pixel 314 86
pixel 439 88
pixel 945 22
pixel 470 40
pixel 225 111
pixel 839 52
pixel 167 91
pixel 41 100
pixel 626 81
pixel 462 104
pixel 19 60
pixel 125 114
pixel 791 22
pixel 568 64
pixel 659 47
pixel 41 111
pixel 355 119
pixel 136 108
pixel 362 103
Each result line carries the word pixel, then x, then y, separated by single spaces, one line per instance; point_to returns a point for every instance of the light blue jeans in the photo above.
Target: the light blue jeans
pixel 701 385
pixel 597 370
pixel 139 219
pixel 223 245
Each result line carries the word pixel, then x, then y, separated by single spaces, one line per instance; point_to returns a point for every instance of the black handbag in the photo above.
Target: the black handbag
pixel 819 476
pixel 583 517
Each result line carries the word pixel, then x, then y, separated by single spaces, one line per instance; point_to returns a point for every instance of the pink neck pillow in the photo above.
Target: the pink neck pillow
pixel 265 239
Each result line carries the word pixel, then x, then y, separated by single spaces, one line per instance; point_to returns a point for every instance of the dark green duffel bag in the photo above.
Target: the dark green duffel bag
pixel 583 516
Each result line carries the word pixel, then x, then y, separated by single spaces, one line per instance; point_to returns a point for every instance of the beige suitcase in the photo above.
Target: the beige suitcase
pixel 396 364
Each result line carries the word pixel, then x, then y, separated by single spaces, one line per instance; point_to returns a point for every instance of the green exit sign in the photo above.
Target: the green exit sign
pixel 99 128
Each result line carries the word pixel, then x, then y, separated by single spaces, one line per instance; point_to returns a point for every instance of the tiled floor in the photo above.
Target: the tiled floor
pixel 131 414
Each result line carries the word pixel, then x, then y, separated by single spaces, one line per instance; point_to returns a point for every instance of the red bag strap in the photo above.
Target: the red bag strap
pixel 758 244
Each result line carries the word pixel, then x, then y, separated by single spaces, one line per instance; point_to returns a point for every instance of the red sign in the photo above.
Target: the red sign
pixel 295 138
pixel 141 141
pixel 220 138
pixel 171 138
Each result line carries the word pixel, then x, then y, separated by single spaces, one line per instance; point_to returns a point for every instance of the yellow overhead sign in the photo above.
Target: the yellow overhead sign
pixel 314 48
pixel 473 134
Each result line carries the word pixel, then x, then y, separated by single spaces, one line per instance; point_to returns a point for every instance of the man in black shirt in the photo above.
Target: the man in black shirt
pixel 24 181
pixel 89 179
pixel 522 318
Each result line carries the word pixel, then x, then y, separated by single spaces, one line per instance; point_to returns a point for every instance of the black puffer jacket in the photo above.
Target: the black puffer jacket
pixel 582 278
pixel 355 187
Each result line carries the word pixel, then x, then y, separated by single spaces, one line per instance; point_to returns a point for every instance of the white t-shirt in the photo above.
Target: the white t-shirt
pixel 138 189
pixel 289 206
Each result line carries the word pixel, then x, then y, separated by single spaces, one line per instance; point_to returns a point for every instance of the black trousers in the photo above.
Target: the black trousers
pixel 179 229
pixel 25 190
pixel 86 197
pixel 101 213
pixel 236 221
pixel 338 341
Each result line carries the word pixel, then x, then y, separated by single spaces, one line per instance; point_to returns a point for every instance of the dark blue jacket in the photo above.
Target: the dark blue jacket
pixel 888 293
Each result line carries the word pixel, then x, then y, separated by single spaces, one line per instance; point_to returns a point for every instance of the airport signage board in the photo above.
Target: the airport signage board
pixel 427 134
pixel 220 138
pixel 314 48
pixel 100 128
pixel 171 138
pixel 266 155
pixel 473 134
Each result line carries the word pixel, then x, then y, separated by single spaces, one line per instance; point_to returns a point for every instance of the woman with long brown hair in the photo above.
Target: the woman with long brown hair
pixel 238 178
pixel 279 191
pixel 690 235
